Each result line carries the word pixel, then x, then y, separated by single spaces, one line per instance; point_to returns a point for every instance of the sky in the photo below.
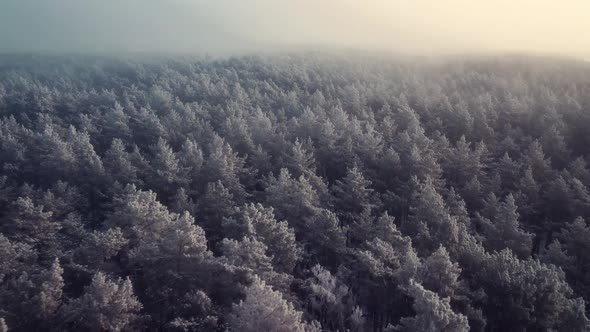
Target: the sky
pixel 425 27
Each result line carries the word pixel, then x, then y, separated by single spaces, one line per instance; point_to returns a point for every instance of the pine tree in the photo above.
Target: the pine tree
pixel 118 165
pixel 218 203
pixel 223 164
pixel 464 163
pixel 178 245
pixel 105 305
pixel 264 309
pixel 575 239
pixel 524 293
pixel 329 298
pixel 380 268
pixel 56 157
pixel 182 202
pixel 528 198
pixel 432 313
pixel 51 292
pixel 87 163
pixel 558 199
pixel 300 161
pixel 554 143
pixel 32 224
pixel 115 122
pixel 139 214
pixel 353 194
pixel 509 171
pixel 556 255
pixel 166 169
pixel 100 246
pixel 18 298
pixel 505 231
pixel 579 169
pixel 458 208
pixel 535 158
pixel 15 257
pixel 431 222
pixel 191 160
pixel 324 238
pixel 439 274
pixel 147 126
pixel 248 253
pixel 256 221
pixel 293 200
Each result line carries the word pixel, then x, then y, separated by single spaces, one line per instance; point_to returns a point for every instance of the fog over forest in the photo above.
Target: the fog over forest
pixel 295 166
pixel 230 26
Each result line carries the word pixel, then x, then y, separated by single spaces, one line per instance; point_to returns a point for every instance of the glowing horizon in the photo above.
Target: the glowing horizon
pixel 418 26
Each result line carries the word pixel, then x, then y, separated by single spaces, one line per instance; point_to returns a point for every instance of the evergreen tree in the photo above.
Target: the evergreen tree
pixel 329 299
pixel 118 163
pixel 509 171
pixel 353 194
pixel 31 224
pixel 182 202
pixel 380 267
pixel 524 293
pixel 439 274
pixel 432 312
pixel 223 164
pixel 431 222
pixel 99 247
pixel 556 255
pixel 51 292
pixel 324 238
pixel 15 257
pixel 248 253
pixel 300 161
pixel 191 160
pixel 259 222
pixel 115 122
pixel 218 203
pixel 87 163
pixel 528 198
pixel 167 172
pixel 574 237
pixel 105 305
pixel 294 200
pixel 264 309
pixel 535 158
pixel 505 231
pixel 464 163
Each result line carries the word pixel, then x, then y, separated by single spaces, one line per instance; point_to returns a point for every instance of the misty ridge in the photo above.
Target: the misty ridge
pixel 192 165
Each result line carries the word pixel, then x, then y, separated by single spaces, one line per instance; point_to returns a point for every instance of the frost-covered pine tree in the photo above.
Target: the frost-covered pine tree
pixel 265 310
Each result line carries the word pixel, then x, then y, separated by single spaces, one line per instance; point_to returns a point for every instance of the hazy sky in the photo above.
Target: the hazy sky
pixel 411 26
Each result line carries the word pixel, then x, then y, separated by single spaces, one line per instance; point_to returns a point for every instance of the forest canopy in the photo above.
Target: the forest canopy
pixel 294 192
